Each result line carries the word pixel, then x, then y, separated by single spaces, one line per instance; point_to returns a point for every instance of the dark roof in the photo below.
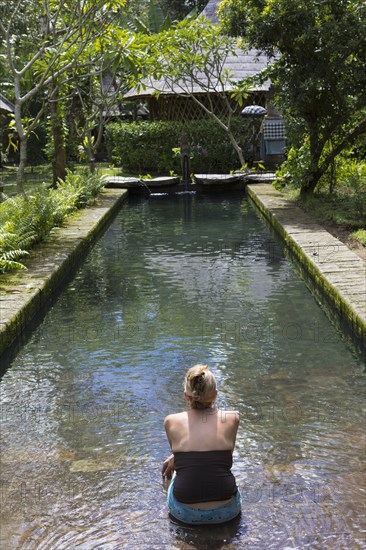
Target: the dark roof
pixel 242 65
pixel 5 105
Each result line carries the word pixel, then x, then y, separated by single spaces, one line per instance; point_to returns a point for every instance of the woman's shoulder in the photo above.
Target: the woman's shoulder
pixel 229 416
pixel 175 417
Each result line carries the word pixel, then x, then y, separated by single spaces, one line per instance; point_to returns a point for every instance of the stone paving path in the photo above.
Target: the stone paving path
pixel 24 293
pixel 337 272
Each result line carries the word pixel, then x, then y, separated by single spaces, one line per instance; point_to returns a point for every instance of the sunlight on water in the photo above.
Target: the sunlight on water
pixel 175 281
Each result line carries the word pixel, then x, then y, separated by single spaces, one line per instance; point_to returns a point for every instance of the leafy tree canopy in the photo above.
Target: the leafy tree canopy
pixel 319 53
pixel 44 44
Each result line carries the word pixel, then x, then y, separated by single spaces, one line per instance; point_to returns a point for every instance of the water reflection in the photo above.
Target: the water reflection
pixel 171 283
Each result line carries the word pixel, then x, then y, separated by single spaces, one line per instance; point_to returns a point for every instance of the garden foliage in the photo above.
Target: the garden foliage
pixel 318 53
pixel 340 197
pixel 27 220
pixel 345 177
pixel 140 147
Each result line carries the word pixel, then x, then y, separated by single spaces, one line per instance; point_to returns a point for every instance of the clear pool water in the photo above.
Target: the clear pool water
pixel 175 281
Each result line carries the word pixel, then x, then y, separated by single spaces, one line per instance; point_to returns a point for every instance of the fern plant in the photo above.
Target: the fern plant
pixel 25 221
pixel 10 250
pixel 8 260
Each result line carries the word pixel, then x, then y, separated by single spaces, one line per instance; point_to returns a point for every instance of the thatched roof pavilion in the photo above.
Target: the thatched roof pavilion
pixel 172 103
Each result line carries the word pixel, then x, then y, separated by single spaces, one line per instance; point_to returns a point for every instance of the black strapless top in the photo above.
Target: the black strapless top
pixel 202 476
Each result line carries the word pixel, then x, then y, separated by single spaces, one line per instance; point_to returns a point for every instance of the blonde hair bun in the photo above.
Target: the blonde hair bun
pixel 200 386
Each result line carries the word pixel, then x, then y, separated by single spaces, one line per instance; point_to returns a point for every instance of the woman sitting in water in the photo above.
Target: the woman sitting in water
pixel 203 489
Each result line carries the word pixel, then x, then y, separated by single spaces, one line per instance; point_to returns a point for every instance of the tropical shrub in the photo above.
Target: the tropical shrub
pixel 296 166
pixel 345 172
pixel 352 176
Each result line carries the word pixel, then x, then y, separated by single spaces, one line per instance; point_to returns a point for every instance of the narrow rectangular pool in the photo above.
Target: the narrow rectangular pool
pixel 175 281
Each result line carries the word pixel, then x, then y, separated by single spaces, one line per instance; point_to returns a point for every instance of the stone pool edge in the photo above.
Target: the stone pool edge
pixel 25 293
pixel 337 274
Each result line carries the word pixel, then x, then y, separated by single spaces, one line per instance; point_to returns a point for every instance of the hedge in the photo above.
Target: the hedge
pixel 140 147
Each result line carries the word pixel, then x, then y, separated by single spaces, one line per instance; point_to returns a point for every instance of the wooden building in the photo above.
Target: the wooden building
pixel 175 102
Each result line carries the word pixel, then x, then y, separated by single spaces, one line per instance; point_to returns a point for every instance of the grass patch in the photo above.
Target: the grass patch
pixel 36 176
pixel 342 208
pixel 340 199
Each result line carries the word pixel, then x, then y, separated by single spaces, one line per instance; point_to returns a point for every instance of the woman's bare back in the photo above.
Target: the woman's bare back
pixel 202 430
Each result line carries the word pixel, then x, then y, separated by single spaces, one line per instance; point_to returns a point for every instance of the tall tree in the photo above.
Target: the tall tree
pixel 318 49
pixel 95 99
pixel 97 95
pixel 57 37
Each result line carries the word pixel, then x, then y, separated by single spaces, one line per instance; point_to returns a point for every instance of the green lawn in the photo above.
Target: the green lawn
pixel 36 175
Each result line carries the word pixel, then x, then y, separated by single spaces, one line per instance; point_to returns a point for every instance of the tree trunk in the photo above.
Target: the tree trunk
pixel 59 159
pixel 315 172
pixel 318 169
pixel 308 187
pixel 23 142
pixel 90 151
pixel 237 147
pixel 100 131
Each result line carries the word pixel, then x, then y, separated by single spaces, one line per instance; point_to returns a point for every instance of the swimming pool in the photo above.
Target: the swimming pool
pixel 175 281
